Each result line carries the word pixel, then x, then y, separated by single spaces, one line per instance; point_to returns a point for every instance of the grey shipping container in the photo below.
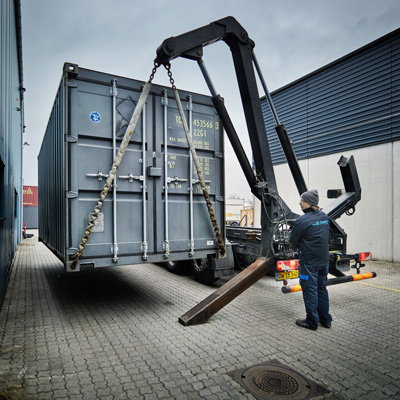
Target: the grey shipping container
pixel 156 210
pixel 30 217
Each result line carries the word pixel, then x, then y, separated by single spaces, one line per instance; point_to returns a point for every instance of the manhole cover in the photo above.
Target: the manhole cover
pixel 274 381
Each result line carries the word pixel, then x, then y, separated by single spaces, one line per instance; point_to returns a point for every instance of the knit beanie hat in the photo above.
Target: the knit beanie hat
pixel 311 197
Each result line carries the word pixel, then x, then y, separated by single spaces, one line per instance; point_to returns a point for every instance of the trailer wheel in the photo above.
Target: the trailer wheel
pixel 202 271
pixel 176 267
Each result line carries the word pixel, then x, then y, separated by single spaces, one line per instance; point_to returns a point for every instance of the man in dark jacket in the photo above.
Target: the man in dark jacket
pixel 310 237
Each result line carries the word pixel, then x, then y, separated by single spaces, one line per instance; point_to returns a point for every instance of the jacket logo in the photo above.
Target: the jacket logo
pixel 320 223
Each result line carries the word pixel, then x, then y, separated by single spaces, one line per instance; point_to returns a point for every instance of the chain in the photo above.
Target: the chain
pixel 153 71
pixel 168 68
pixel 171 79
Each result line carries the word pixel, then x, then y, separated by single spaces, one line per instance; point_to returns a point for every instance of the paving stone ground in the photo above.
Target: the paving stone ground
pixel 113 333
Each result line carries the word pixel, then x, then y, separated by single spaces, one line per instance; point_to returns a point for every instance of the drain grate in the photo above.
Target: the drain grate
pixel 275 381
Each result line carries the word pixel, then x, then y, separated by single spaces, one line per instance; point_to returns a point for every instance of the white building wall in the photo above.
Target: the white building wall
pixel 396 201
pixel 232 209
pixel 375 226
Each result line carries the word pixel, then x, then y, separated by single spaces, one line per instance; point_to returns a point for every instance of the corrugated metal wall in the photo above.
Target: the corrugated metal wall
pixel 11 110
pixel 351 103
pixel 52 208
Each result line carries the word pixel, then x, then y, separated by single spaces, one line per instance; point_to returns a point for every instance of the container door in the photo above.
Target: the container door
pixel 99 117
pixel 185 225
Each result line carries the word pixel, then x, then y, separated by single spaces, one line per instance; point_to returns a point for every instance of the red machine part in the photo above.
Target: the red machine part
pixel 287 265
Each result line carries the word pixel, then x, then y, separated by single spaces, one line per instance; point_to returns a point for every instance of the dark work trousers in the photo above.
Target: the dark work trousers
pixel 313 284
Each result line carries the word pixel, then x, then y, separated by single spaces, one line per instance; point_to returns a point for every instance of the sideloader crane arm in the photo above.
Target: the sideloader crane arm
pixel 276 217
pixel 262 182
pixel 190 45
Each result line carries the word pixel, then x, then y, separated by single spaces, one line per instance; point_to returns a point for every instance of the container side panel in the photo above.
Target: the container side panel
pixel 51 177
pixel 11 138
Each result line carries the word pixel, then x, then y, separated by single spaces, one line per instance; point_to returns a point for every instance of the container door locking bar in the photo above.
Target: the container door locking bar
pixel 164 102
pixel 145 245
pixel 191 183
pixel 175 179
pixel 99 175
pixel 114 93
pixel 132 177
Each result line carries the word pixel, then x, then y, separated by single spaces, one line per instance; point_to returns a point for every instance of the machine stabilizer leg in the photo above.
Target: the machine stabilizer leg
pixel 333 281
pixel 203 311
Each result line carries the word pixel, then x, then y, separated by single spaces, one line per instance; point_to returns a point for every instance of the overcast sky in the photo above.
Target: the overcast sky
pixel 120 37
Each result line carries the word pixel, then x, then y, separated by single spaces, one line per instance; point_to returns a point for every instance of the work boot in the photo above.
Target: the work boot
pixel 304 324
pixel 325 325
